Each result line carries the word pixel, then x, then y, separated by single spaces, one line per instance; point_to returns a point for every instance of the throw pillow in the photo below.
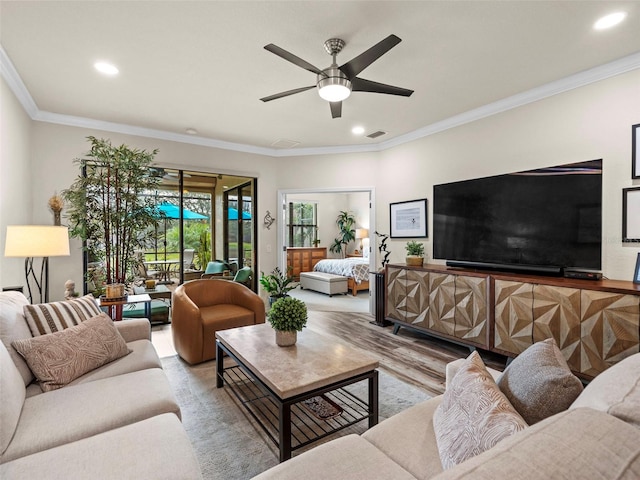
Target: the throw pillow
pixel 539 383
pixel 59 358
pixel 474 415
pixel 53 317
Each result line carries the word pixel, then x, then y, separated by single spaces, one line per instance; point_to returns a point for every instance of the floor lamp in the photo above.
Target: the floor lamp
pixel 30 241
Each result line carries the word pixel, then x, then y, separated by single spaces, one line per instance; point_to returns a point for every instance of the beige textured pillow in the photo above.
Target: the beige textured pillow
pixel 53 317
pixel 539 383
pixel 59 358
pixel 474 415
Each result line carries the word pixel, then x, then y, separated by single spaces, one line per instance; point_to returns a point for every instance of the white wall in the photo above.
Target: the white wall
pixel 587 123
pixel 16 177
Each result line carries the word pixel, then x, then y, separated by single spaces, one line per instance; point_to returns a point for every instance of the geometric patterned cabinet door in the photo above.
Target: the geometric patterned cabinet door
pixel 442 303
pixel 417 298
pixel 556 314
pixel 471 313
pixel 513 316
pixel 609 329
pixel 396 279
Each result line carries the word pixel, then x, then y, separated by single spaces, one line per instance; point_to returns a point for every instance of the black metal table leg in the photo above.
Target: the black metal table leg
pixel 284 424
pixel 219 365
pixel 373 399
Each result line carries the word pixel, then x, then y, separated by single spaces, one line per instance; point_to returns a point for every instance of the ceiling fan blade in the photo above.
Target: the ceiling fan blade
pixel 362 85
pixel 354 66
pixel 290 57
pixel 286 94
pixel 336 109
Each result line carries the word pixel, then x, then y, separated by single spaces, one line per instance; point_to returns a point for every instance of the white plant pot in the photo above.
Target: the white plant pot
pixel 285 338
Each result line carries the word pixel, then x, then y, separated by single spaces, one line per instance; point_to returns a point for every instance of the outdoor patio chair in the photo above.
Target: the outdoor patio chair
pixel 243 276
pixel 214 268
pixel 187 258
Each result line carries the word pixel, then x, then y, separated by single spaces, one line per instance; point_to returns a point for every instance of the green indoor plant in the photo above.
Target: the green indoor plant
pixel 415 253
pixel 277 284
pixel 287 316
pixel 109 209
pixel 346 233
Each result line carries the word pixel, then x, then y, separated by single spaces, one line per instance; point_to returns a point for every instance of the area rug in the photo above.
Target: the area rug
pixel 228 442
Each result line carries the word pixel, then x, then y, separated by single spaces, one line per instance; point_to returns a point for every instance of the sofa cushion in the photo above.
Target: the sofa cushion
pixel 80 411
pixel 155 448
pixel 474 415
pixel 408 439
pixel 615 391
pixel 575 444
pixel 12 395
pixel 13 326
pixel 350 457
pixel 58 358
pixel 52 317
pixel 539 383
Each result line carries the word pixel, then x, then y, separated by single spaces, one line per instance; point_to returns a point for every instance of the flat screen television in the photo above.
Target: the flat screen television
pixel 540 221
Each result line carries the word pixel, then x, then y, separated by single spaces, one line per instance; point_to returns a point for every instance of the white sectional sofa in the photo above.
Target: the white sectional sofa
pixel 118 421
pixel 597 437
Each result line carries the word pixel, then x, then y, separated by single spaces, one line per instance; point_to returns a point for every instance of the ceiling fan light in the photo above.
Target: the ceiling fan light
pixel 334 93
pixel 333 85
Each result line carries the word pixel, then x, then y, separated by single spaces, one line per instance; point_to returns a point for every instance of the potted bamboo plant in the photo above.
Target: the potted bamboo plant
pixel 107 207
pixel 287 316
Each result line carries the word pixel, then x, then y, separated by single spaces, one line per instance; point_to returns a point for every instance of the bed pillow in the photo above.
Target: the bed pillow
pixel 53 317
pixel 539 383
pixel 474 415
pixel 57 359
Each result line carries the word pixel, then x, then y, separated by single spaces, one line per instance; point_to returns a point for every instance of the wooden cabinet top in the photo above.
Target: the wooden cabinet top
pixel 324 249
pixel 604 285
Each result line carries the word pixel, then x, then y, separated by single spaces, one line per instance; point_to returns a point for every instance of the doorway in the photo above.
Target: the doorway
pixel 328 204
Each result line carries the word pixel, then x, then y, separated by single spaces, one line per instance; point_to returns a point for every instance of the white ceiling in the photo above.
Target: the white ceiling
pixel 201 64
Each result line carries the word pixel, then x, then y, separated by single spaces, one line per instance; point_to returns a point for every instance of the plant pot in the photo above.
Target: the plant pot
pixel 114 290
pixel 414 261
pixel 286 338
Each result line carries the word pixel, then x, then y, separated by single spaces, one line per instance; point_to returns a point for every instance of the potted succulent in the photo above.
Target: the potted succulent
pixel 277 284
pixel 415 253
pixel 287 316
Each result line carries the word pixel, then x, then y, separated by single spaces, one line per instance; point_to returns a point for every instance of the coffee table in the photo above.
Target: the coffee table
pixel 272 382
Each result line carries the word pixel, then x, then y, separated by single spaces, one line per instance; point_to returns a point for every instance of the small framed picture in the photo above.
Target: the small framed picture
pixel 631 214
pixel 409 219
pixel 635 151
pixel 636 272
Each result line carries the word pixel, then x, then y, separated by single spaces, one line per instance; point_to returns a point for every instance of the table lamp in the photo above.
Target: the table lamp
pixel 361 233
pixel 32 241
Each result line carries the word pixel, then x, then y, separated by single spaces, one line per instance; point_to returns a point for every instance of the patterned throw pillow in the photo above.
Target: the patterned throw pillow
pixel 53 317
pixel 539 383
pixel 474 415
pixel 59 358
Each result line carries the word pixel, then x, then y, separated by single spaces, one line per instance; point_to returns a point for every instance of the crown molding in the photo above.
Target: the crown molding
pixel 586 77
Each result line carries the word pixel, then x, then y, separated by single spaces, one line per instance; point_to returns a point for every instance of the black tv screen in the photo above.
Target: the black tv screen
pixel 543 220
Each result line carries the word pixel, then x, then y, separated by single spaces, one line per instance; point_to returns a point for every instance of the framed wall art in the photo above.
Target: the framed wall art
pixel 635 151
pixel 631 214
pixel 409 219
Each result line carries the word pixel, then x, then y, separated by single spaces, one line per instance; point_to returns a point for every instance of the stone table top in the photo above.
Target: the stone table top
pixel 313 362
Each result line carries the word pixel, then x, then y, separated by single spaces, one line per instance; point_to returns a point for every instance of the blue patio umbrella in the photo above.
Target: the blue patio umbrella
pixel 233 214
pixel 172 211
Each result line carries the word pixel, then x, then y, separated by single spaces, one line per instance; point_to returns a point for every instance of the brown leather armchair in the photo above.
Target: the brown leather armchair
pixel 202 307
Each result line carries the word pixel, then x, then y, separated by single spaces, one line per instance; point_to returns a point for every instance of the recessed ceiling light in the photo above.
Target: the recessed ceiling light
pixel 106 68
pixel 191 131
pixel 358 130
pixel 610 20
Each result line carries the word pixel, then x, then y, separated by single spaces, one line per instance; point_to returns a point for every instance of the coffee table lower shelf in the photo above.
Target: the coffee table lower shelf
pixel 305 426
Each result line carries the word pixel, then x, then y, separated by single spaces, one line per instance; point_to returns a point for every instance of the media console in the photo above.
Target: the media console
pixel 596 323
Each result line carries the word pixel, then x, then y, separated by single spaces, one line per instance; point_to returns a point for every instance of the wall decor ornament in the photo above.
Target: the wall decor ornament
pixel 408 219
pixel 631 214
pixel 268 220
pixel 635 151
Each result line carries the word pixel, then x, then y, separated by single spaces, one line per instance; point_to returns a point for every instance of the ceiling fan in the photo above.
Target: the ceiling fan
pixel 336 83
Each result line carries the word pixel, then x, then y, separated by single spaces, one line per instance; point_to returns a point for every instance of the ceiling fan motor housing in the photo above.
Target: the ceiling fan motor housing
pixel 331 81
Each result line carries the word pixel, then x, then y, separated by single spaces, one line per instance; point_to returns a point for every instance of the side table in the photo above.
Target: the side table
pixel 115 306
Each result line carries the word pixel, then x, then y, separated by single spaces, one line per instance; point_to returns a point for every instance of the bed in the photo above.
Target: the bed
pixel 355 269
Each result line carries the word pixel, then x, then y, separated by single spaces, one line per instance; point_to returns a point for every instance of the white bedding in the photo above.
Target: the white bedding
pixel 357 268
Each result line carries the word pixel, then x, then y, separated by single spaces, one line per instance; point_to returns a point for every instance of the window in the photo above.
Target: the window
pixel 303 224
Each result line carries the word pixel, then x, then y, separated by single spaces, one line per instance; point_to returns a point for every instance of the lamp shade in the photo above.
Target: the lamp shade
pixel 36 241
pixel 362 233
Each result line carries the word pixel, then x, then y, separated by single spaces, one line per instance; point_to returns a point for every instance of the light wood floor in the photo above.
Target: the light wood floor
pixel 410 356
